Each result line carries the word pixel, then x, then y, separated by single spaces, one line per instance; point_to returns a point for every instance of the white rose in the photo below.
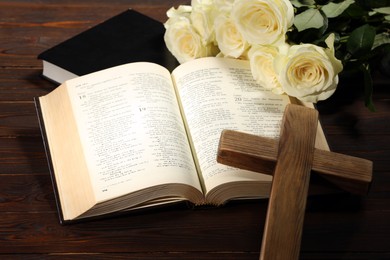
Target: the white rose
pixel 196 3
pixel 184 42
pixel 229 39
pixel 309 72
pixel 202 18
pixel 261 59
pixel 224 6
pixel 174 15
pixel 263 21
pixel 338 66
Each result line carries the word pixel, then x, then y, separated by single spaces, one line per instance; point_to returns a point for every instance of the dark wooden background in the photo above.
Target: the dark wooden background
pixel 342 226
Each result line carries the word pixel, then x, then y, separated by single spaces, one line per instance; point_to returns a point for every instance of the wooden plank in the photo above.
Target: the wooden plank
pixel 156 231
pixel 290 184
pixel 26 194
pixel 26 11
pixel 140 256
pixel 22 155
pixel 346 230
pixel 22 84
pixel 241 150
pixel 238 227
pixel 18 119
pixel 194 255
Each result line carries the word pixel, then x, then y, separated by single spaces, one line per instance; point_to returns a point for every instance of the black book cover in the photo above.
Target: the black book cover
pixel 127 37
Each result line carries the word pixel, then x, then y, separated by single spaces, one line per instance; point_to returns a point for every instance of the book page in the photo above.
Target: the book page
pixel 131 129
pixel 65 155
pixel 218 94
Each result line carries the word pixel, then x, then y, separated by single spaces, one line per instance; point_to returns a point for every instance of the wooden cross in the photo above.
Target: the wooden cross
pixel 290 161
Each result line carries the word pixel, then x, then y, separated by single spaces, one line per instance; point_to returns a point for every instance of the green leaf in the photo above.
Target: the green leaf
pixel 361 41
pixel 380 39
pixel 333 10
pixel 311 18
pixel 368 89
pixel 355 11
pixel 300 3
pixel 383 10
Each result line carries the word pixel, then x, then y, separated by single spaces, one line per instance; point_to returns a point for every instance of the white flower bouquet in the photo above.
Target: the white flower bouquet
pixel 295 47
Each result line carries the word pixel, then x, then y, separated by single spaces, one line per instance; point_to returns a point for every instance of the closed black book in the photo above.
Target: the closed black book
pixel 127 37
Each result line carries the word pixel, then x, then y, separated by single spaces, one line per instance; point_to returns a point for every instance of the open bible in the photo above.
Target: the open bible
pixel 137 136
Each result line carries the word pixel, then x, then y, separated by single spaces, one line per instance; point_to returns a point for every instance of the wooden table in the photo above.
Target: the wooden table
pixel 341 226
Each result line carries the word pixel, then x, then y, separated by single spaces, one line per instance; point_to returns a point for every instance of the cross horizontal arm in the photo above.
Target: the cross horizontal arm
pixel 259 154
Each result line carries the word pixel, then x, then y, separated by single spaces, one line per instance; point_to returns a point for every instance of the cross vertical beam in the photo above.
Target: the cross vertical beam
pixel 290 184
